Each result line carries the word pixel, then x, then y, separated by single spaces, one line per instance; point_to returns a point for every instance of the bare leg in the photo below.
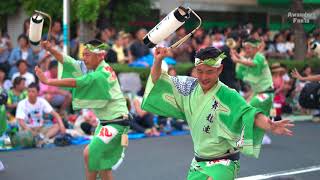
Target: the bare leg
pixel 90 175
pixel 66 103
pixel 106 175
pixel 52 131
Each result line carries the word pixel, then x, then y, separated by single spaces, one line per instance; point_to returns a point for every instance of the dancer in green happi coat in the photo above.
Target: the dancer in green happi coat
pixel 221 122
pixel 95 86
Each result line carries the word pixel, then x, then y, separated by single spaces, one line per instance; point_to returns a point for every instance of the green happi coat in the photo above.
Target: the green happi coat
pixel 219 120
pixel 3 119
pixel 260 79
pixel 98 90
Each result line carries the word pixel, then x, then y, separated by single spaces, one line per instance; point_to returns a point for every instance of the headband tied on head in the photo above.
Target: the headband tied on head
pixel 213 62
pixel 97 49
pixel 252 42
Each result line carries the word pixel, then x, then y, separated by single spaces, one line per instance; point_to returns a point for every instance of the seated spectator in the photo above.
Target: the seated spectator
pixel 30 113
pixel 56 32
pixel 183 52
pixel 22 52
pixel 15 95
pixel 104 35
pixel 119 49
pixel 5 48
pixel 206 42
pixel 196 40
pixel 23 72
pixel 86 123
pixel 278 49
pixel 290 45
pixel 142 120
pixel 266 37
pixel 167 124
pixel 54 95
pixel 127 41
pixel 138 49
pixel 217 41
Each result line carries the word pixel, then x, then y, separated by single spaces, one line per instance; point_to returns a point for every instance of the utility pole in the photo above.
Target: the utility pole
pixel 66 20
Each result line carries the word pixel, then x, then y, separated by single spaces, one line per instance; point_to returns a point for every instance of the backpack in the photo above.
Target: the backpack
pixel 310 96
pixel 63 140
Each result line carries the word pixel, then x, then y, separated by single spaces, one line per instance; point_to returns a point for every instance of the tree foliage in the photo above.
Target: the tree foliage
pixel 121 12
pixel 8 7
pixel 88 10
pixel 118 12
pixel 53 7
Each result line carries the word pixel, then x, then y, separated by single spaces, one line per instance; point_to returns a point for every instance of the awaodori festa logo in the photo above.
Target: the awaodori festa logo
pixel 303 17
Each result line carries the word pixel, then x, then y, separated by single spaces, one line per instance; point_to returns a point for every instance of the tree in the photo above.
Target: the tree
pixel 88 11
pixel 54 8
pixel 113 12
pixel 9 7
pixel 121 12
pixel 299 34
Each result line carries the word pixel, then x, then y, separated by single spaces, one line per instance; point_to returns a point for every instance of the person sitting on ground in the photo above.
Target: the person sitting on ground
pixel 23 71
pixel 30 113
pixel 15 95
pixel 22 52
pixel 142 120
pixel 86 123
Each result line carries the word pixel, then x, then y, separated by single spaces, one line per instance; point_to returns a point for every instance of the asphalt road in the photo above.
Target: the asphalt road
pixel 168 158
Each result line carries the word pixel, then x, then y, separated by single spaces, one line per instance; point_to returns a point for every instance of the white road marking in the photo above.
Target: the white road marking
pixel 282 173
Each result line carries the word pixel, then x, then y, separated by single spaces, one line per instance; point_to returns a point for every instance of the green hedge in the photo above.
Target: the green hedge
pixel 291 64
pixel 183 68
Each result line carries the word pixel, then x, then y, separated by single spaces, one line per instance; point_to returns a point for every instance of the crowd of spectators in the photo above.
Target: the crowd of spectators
pixel 17 75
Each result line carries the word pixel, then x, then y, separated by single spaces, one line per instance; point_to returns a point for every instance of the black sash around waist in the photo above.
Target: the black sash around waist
pixel 232 157
pixel 119 121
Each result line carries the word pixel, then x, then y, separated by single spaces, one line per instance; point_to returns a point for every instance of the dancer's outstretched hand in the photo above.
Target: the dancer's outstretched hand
pixel 282 127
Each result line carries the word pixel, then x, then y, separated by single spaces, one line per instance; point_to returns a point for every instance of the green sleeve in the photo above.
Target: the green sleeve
pixel 239 123
pixel 240 71
pixel 259 62
pixel 70 68
pixel 162 98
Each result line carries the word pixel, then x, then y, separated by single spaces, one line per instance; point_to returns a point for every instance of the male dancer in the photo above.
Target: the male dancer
pixel 254 69
pixel 221 122
pixel 98 90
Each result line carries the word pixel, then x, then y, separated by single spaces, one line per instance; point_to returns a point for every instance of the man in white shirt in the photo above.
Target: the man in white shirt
pixel 23 72
pixel 30 115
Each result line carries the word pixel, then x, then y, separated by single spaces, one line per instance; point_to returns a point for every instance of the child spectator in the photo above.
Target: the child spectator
pixel 30 113
pixel 15 95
